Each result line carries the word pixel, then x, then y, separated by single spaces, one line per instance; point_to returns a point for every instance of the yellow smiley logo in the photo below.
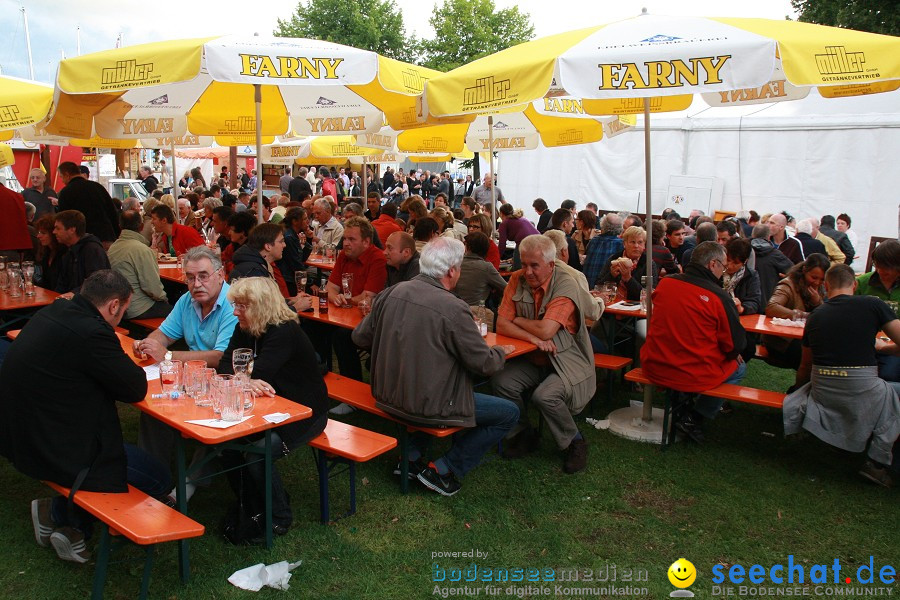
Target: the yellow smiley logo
pixel 682 573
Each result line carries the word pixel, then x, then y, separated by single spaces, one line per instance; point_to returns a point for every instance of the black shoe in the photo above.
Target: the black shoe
pixel 690 426
pixel 445 485
pixel 576 456
pixel 876 474
pixel 415 467
pixel 524 442
pixel 726 408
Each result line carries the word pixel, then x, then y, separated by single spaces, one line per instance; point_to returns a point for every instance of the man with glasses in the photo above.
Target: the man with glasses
pixel 706 351
pixel 204 319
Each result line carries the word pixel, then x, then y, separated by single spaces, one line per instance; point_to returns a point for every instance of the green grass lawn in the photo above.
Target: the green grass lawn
pixel 747 496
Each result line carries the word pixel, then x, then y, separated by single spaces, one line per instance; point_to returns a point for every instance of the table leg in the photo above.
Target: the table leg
pixel 184 560
pixel 268 469
pixel 404 459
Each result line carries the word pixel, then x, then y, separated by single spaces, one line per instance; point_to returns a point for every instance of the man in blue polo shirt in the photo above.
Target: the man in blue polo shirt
pixel 204 319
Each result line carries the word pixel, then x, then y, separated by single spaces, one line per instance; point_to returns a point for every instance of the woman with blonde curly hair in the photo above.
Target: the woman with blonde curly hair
pixel 285 364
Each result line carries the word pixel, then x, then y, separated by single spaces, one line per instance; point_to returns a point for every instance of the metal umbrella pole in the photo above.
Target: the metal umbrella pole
pixel 648 247
pixel 493 176
pixel 257 98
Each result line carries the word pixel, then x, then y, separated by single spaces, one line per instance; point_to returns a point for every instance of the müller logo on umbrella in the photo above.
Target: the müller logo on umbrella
pixel 837 61
pixel 9 113
pixel 289 67
pixel 487 92
pixel 126 73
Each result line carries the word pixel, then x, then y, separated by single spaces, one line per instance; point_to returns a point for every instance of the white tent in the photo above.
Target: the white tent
pixel 810 157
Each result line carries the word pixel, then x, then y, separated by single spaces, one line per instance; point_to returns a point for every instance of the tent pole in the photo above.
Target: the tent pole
pixel 648 247
pixel 174 182
pixel 257 98
pixel 493 176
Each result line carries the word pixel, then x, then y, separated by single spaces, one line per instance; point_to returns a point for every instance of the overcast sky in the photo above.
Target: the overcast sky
pixel 52 23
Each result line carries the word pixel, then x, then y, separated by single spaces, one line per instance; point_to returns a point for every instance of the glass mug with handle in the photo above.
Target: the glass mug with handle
pixel 242 363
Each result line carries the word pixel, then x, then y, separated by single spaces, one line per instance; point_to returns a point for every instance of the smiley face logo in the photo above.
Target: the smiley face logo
pixel 682 573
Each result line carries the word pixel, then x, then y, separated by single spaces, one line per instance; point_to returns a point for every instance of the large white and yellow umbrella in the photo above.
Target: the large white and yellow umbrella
pixel 244 87
pixel 653 63
pixel 24 103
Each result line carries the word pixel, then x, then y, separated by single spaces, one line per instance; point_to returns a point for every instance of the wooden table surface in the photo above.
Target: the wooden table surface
pixel 763 324
pixel 42 297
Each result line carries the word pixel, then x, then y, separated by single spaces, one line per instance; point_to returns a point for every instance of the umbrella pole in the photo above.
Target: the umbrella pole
pixel 257 98
pixel 493 177
pixel 648 247
pixel 364 192
pixel 172 181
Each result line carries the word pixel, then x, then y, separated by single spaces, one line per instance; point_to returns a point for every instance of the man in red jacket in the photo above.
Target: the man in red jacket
pixel 695 336
pixel 177 238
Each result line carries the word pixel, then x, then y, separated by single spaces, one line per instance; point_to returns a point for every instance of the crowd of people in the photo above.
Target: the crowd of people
pixel 420 262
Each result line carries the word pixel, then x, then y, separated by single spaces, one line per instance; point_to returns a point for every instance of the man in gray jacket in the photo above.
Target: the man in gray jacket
pixel 424 373
pixel 131 256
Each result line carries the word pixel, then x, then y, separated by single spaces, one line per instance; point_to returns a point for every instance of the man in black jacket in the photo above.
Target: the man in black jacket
pixel 265 245
pixel 771 264
pixel 85 254
pixel 70 366
pixel 92 200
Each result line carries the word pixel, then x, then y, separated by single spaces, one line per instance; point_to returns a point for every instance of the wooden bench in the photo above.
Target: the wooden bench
pixel 342 443
pixel 726 391
pixel 136 516
pixel 150 324
pixel 611 364
pixel 358 394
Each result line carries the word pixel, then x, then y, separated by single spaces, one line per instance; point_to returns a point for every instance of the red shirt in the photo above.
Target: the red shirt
pixel 183 239
pixel 385 226
pixel 369 270
pixel 279 280
pixel 493 255
pixel 690 337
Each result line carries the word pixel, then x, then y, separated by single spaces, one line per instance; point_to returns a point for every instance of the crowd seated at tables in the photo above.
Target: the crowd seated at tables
pixel 416 297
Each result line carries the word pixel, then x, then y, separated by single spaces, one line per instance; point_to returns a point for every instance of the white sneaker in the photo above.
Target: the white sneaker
pixel 69 545
pixel 342 409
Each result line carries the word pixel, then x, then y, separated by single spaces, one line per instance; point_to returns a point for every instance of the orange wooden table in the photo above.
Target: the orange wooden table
pixel 172 272
pixel 763 324
pixel 16 311
pixel 321 263
pixel 176 413
pixel 349 318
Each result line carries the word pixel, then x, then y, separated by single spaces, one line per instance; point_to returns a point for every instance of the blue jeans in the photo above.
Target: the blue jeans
pixel 709 407
pixel 144 472
pixel 494 418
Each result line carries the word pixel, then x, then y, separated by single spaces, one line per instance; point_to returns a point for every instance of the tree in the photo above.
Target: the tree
pixel 876 16
pixel 469 29
pixel 375 25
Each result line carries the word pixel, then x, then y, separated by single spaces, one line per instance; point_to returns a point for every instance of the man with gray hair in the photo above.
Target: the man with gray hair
pixel 771 264
pixel 544 305
pixel 806 232
pixel 437 391
pixel 327 229
pixel 602 247
pixel 706 351
pixel 205 320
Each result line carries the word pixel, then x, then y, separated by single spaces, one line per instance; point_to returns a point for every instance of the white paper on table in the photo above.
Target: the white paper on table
pixel 788 322
pixel 173 265
pixel 276 417
pixel 621 305
pixel 152 372
pixel 218 423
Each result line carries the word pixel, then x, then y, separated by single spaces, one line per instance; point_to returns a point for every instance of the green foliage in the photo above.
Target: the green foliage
pixel 876 16
pixel 375 25
pixel 469 29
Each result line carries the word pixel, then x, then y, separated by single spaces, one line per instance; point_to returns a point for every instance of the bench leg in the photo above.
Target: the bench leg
pixel 184 557
pixel 322 466
pixel 148 568
pixel 404 460
pixel 352 488
pixel 666 414
pixel 102 564
pixel 268 470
